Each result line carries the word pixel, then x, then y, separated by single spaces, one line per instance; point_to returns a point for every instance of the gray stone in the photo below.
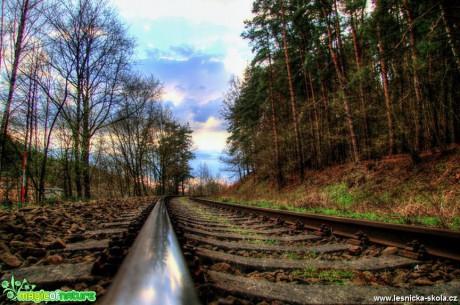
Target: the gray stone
pixel 320 294
pixel 56 275
pixel 249 263
pixel 254 237
pixel 327 248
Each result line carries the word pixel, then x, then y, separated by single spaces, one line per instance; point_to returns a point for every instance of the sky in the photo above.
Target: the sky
pixel 192 47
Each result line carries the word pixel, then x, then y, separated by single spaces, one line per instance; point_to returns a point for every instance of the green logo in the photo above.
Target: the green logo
pixel 24 292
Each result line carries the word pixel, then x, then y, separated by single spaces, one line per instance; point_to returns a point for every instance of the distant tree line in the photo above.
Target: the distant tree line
pixel 205 183
pixel 74 114
pixel 334 81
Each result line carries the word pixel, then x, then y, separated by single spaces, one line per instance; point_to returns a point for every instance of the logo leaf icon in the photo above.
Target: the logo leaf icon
pixel 12 282
pixel 11 292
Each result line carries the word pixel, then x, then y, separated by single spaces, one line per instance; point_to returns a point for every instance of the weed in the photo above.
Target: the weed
pixel 331 276
pixel 254 241
pixel 310 255
pixel 385 197
pixel 292 255
pixel 297 256
pixel 242 231
pixel 455 223
pixel 307 271
pixel 428 221
pixel 339 194
pixel 336 275
pixel 183 200
pixel 272 242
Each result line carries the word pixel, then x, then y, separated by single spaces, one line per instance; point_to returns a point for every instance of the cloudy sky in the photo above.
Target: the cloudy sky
pixel 193 47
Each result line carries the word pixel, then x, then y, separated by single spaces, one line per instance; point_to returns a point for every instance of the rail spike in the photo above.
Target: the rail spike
pixel 415 250
pixel 280 221
pixel 299 225
pixel 360 239
pixel 324 231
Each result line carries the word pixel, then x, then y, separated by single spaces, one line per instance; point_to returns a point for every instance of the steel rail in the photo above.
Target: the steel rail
pixel 438 242
pixel 154 271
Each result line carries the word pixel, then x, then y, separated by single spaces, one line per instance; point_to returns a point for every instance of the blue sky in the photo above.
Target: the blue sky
pixel 193 47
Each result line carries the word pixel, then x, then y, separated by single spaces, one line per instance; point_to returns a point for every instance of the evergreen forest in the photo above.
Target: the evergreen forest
pixel 335 81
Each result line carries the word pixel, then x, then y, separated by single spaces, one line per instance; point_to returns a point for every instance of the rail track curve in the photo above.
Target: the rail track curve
pixel 180 250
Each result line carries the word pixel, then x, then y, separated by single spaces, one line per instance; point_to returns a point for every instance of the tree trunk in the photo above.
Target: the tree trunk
pixel 386 91
pixel 278 166
pixel 18 47
pixel 450 34
pixel 362 97
pixel 299 152
pixel 342 81
pixel 2 30
pixel 418 93
pixel 85 166
pixel 318 137
pixel 77 161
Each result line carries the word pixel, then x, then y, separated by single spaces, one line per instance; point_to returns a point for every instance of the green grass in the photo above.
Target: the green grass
pixel 428 221
pixel 310 255
pixel 339 194
pixel 271 242
pixel 183 200
pixel 297 256
pixel 455 223
pixel 385 197
pixel 331 276
pixel 372 216
pixel 244 232
pixel 292 255
pixel 202 212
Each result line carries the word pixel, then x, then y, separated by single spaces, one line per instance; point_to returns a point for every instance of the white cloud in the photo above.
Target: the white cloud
pixel 173 95
pixel 223 12
pixel 210 141
pixel 235 61
pixel 212 123
pixel 147 27
pixel 192 47
pixel 208 136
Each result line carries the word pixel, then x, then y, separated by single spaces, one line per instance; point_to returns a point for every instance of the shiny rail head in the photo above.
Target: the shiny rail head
pixel 154 271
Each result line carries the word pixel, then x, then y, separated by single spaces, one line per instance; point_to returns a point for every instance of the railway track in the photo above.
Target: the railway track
pixel 233 255
pixel 243 256
pixel 71 247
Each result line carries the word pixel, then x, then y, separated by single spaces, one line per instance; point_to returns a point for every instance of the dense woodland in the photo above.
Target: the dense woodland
pixel 74 114
pixel 335 81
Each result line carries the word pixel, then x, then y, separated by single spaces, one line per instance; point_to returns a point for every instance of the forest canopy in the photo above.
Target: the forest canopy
pixel 335 81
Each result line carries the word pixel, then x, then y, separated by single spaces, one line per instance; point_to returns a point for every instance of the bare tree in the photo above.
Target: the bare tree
pixel 204 177
pixel 134 136
pixel 22 21
pixel 91 51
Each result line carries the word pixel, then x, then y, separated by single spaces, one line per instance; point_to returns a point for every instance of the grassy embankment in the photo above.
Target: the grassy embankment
pixel 390 190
